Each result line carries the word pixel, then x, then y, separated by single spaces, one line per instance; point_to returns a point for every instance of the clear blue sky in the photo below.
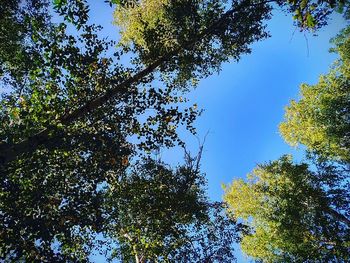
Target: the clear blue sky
pixel 245 103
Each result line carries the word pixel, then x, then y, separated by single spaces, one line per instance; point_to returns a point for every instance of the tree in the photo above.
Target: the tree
pixel 298 213
pixel 320 119
pixel 53 191
pixel 155 28
pixel 292 215
pixel 312 15
pixel 150 212
pixel 19 19
pixel 162 214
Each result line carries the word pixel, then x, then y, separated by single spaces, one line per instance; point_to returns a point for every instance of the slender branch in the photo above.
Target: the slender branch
pixel 339 217
pixel 137 259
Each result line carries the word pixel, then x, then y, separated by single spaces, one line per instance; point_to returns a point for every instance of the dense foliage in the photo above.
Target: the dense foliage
pixel 311 15
pixel 198 35
pixel 158 213
pixel 292 214
pixel 320 118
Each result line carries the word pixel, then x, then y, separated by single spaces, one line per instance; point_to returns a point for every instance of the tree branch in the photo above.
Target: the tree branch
pixel 339 217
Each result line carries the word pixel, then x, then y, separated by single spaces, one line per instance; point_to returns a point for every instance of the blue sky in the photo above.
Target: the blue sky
pixel 244 103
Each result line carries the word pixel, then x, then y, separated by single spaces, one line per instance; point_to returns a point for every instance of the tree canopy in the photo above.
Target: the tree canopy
pixel 300 212
pixel 320 118
pixel 77 126
pixel 313 15
pixel 293 217
pixel 159 213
